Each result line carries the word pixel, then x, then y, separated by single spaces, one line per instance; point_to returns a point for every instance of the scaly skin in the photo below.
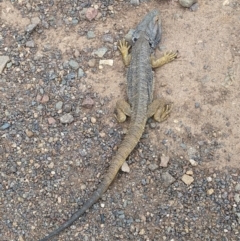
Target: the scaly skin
pixel 140 106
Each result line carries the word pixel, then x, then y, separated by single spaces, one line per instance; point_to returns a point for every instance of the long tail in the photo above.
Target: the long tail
pixel 128 144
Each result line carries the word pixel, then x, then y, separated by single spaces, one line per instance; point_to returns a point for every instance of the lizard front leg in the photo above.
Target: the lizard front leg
pixel 124 48
pixel 166 58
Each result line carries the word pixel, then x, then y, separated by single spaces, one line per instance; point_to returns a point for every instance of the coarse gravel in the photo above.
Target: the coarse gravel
pixel 58 134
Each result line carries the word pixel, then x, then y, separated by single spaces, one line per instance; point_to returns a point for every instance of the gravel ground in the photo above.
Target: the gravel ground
pixel 58 132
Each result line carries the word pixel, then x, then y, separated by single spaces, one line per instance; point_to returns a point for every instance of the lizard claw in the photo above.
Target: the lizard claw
pixel 123 47
pixel 170 56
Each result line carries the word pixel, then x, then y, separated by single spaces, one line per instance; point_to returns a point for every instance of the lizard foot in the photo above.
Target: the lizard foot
pixel 160 110
pixel 166 58
pixel 124 48
pixel 123 110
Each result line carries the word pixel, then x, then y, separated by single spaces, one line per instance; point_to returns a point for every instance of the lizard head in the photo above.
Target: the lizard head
pixel 154 32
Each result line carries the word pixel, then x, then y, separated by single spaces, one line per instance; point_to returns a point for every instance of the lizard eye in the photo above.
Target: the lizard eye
pixel 151 44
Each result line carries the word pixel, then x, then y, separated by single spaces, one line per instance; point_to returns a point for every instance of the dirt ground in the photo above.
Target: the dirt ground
pixel 203 83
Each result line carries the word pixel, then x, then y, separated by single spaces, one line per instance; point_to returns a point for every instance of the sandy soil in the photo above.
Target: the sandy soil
pixel 203 83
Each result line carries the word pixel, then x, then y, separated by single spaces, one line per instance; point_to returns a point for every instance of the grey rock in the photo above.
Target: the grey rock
pixel 83 152
pixel 187 3
pixel 31 27
pixel 36 20
pixel 73 64
pixel 82 14
pixel 153 125
pixel 168 179
pixel 237 197
pixel 75 21
pixel 59 105
pixel 9 65
pixel 153 166
pixel 81 73
pixel 66 119
pixel 67 108
pixel 88 103
pixel 197 105
pixel 90 34
pixel 65 64
pixel 5 126
pixel 92 63
pixel 237 187
pixel 30 44
pixel 108 38
pixel 194 7
pixel 3 61
pixel 45 24
pixel 134 2
pixel 238 217
pixel 100 52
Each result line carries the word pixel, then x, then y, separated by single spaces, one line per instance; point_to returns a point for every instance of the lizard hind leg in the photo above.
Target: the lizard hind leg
pixel 159 109
pixel 123 110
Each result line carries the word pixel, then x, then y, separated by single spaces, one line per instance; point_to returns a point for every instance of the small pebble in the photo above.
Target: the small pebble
pixel 5 126
pixel 30 44
pixel 31 27
pixel 45 99
pixel 81 73
pixel 210 191
pixel 73 64
pixel 66 119
pixel 164 161
pixel 187 179
pixel 209 179
pixel 93 120
pixel 237 197
pixel 59 105
pixel 90 34
pixel 91 13
pixel 125 167
pixel 3 61
pixel 51 165
pixel 190 172
pixel 88 103
pixel 108 38
pixel 67 108
pixel 237 187
pixel 92 63
pixel 51 121
pixel 100 52
pixel 106 62
pixel 187 3
pixel 29 133
pixel 193 162
pixel 168 179
pixel 153 166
